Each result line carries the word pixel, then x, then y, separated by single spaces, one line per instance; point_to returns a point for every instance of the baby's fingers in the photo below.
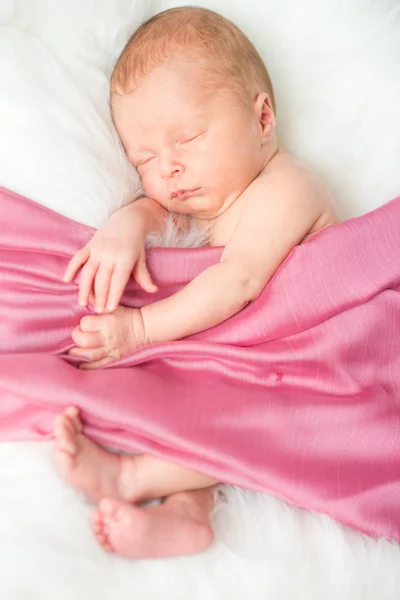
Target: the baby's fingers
pixel 86 281
pixel 97 364
pixel 120 278
pixel 87 339
pixel 101 287
pixel 142 275
pixel 76 263
pixel 92 354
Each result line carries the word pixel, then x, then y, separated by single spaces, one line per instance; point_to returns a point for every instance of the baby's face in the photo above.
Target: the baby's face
pixel 194 154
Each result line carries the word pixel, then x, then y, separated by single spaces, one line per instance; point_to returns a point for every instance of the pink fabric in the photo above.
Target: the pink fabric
pixel 297 396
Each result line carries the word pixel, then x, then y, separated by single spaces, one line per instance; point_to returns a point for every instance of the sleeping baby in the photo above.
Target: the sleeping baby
pixel 194 108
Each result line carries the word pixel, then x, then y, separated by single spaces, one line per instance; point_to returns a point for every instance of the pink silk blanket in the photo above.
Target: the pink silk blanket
pixel 298 395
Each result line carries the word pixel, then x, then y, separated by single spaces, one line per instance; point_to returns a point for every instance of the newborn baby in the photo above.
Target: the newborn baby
pixel 194 108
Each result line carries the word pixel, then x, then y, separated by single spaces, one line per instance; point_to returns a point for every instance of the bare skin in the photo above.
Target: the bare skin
pixel 179 526
pixel 89 468
pixel 219 162
pixel 256 200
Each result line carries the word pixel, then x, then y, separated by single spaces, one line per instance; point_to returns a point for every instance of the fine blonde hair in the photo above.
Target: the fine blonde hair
pixel 228 60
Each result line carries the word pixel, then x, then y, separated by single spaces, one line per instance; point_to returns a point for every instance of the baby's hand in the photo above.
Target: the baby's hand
pixel 105 338
pixel 108 261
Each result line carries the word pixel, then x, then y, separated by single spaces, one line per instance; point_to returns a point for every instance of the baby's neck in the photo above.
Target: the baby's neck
pixel 272 151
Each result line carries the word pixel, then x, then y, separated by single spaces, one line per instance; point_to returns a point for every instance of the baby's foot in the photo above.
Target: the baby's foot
pixel 175 528
pixel 88 467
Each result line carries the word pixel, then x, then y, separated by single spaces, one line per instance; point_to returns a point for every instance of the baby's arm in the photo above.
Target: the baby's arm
pixel 281 209
pixel 116 250
pixel 280 212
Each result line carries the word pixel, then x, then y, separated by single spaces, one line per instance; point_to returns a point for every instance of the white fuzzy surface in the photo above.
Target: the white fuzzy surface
pixel 335 69
pixel 263 549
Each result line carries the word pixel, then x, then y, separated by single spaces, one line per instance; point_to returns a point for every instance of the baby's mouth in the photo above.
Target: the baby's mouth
pixel 184 194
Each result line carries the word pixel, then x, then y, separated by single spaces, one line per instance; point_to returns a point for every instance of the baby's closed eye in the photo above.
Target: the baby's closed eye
pixel 144 161
pixel 187 138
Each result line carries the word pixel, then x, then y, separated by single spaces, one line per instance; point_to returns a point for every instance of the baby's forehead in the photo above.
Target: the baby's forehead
pixel 141 125
pixel 189 79
pixel 163 98
pixel 158 109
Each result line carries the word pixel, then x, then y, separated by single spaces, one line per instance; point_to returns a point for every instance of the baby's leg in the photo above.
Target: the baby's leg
pixel 157 478
pixel 99 473
pixel 178 527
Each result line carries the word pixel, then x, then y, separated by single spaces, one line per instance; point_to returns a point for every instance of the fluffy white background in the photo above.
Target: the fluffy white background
pixel 335 69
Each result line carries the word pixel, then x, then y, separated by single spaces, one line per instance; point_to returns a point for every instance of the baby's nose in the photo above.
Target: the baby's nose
pixel 170 169
pixel 170 173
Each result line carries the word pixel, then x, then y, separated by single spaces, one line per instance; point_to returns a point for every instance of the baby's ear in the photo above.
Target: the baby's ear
pixel 265 115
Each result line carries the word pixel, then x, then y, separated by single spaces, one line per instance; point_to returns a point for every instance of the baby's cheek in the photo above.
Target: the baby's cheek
pixel 148 183
pixel 153 187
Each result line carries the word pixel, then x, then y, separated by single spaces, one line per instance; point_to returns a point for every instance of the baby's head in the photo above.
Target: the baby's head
pixel 193 104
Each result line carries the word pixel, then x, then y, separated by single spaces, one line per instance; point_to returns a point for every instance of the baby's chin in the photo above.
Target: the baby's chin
pixel 201 213
pixel 200 207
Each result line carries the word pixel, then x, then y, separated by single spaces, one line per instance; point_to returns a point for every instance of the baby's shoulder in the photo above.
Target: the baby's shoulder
pixel 285 170
pixel 287 189
pixel 289 179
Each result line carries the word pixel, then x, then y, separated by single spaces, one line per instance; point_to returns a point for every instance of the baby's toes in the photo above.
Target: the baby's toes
pixel 65 434
pixel 72 414
pixel 106 545
pixel 61 427
pixel 101 532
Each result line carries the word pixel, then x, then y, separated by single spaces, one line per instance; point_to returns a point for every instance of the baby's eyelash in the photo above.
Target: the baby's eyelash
pixel 144 161
pixel 188 138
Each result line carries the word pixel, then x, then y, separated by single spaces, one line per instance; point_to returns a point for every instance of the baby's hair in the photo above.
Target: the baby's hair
pixel 230 60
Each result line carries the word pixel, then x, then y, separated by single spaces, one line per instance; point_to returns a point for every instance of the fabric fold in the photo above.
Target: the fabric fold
pixel 298 395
